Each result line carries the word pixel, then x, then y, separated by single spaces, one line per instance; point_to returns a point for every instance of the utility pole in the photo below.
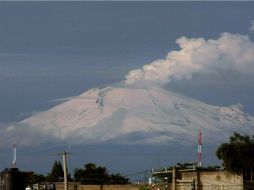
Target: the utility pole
pixel 64 154
pixel 193 184
pixel 199 148
pixel 65 171
pixel 174 178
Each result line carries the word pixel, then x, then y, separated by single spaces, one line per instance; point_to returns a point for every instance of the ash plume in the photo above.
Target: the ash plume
pixel 230 52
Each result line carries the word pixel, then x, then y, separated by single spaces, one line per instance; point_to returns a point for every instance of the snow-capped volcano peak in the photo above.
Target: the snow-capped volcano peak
pixel 133 115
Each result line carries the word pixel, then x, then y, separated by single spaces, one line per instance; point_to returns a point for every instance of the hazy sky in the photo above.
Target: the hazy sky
pixel 50 50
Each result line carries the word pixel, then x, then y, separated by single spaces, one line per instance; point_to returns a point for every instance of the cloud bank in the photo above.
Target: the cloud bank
pixel 230 52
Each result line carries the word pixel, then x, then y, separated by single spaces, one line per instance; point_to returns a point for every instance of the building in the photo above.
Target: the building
pixel 12 179
pixel 193 179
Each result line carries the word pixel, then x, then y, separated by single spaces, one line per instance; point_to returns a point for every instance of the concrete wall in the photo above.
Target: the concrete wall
pixel 221 180
pixel 108 187
pixel 76 186
pixel 217 180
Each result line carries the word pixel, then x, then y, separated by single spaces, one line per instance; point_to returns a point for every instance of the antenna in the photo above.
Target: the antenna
pixel 14 151
pixel 199 148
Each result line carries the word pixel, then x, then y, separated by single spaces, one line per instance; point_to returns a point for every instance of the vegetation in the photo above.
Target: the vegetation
pixel 33 178
pixel 237 155
pixel 184 166
pixel 144 187
pixel 57 173
pixel 210 168
pixel 92 174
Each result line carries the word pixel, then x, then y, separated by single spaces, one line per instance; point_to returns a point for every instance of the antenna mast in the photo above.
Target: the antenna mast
pixel 199 148
pixel 14 151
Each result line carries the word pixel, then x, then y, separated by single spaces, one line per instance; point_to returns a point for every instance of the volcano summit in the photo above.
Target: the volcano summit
pixel 125 115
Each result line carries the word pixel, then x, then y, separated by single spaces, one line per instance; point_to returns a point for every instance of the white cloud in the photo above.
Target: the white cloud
pixel 233 52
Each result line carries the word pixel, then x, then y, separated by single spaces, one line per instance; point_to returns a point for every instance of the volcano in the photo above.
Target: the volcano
pixel 121 114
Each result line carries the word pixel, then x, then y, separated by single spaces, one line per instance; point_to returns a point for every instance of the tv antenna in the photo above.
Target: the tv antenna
pixel 14 155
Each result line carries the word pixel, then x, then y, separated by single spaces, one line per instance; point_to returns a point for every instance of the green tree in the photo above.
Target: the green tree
pixel 57 173
pixel 184 165
pixel 92 174
pixel 118 179
pixel 237 155
pixel 32 178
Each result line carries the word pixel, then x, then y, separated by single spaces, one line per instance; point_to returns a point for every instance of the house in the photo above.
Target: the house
pixel 198 179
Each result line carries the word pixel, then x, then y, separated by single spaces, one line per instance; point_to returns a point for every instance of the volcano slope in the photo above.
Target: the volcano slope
pixel 131 116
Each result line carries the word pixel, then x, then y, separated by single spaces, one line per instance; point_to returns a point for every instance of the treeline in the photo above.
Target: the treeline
pixel 89 175
pixel 237 156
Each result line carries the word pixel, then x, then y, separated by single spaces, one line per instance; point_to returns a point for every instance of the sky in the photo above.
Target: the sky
pixel 52 50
